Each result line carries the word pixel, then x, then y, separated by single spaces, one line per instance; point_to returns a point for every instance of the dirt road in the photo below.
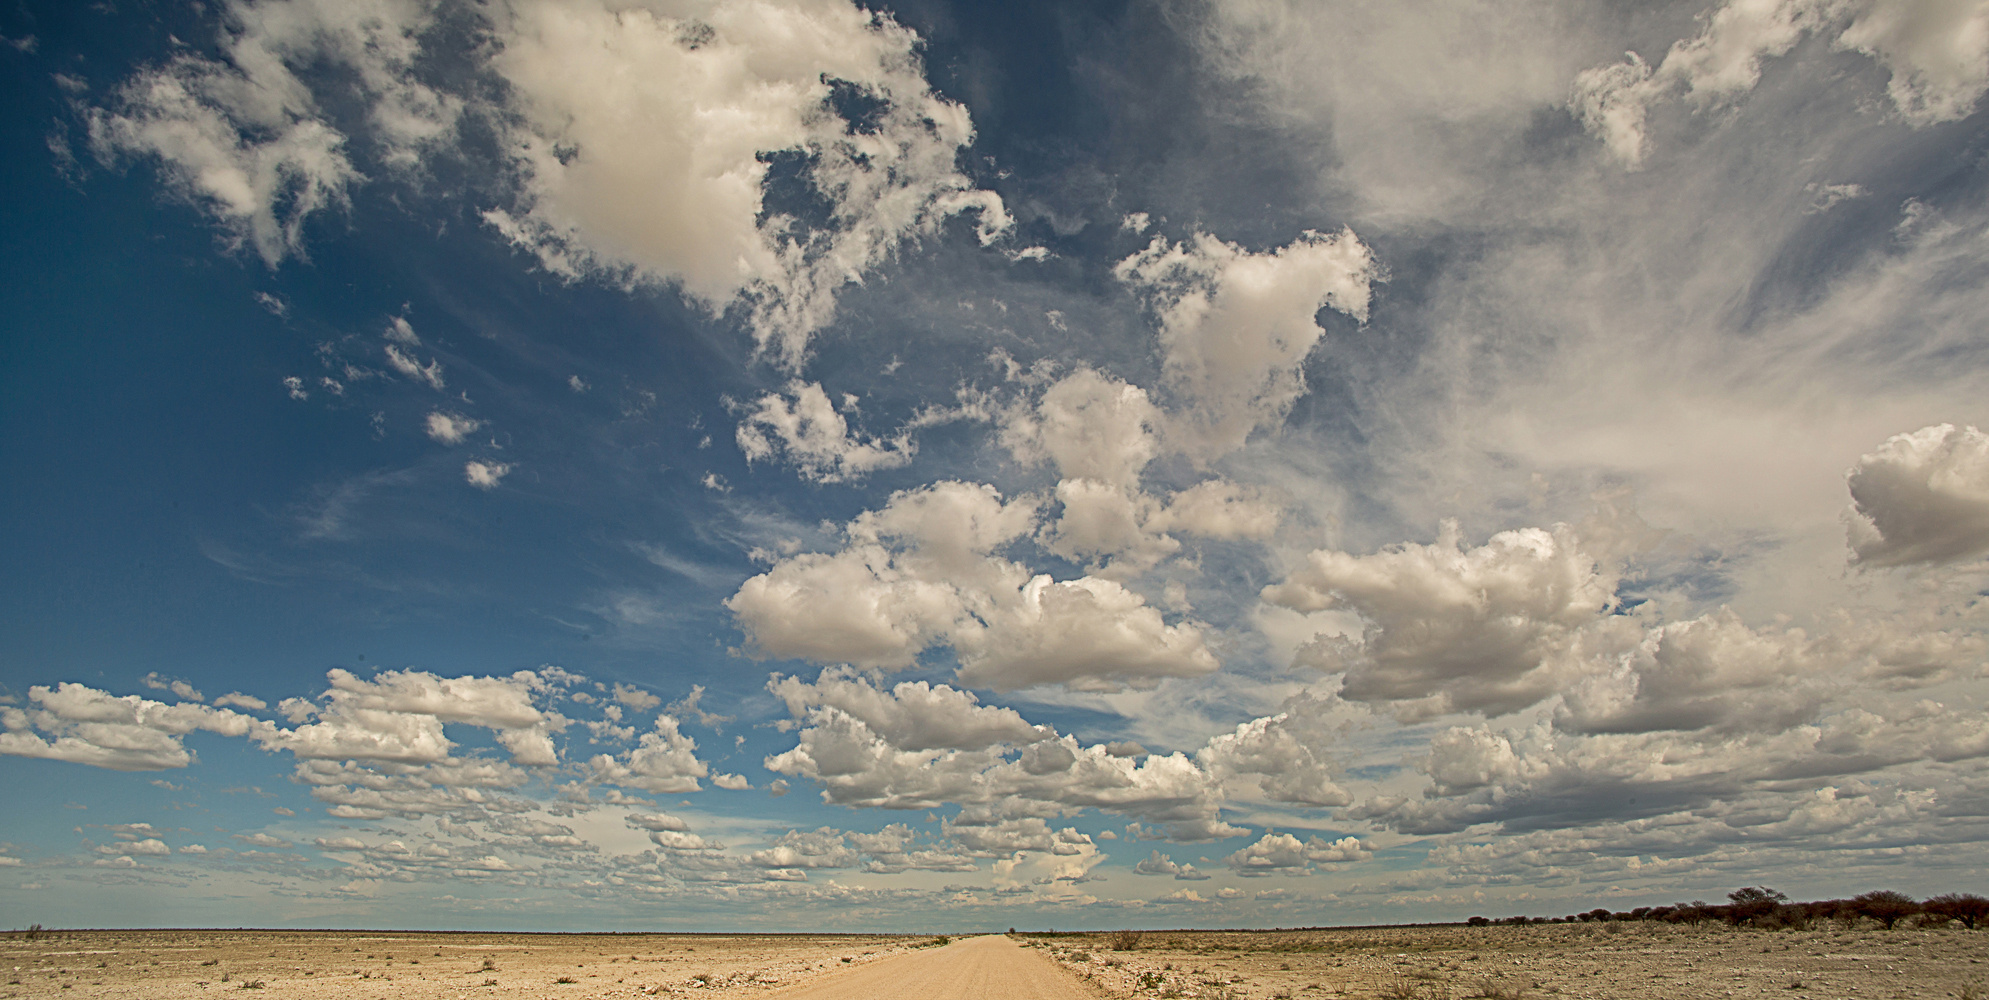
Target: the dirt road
pixel 981 968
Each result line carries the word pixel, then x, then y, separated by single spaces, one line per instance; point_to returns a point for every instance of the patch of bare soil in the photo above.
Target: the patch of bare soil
pixel 1617 961
pixel 367 965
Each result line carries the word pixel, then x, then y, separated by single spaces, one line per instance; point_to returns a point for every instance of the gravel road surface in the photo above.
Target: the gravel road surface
pixel 981 968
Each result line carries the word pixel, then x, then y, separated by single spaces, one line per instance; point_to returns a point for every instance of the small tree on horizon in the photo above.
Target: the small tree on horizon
pixel 1885 906
pixel 1753 902
pixel 1963 906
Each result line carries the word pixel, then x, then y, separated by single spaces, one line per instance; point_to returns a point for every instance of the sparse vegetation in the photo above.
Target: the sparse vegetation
pixel 1965 907
pixel 1125 940
pixel 1763 908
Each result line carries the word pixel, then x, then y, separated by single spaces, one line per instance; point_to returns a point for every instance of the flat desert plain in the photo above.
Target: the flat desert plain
pixel 1611 960
pixel 1618 961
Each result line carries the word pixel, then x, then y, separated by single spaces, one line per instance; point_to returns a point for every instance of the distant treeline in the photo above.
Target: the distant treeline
pixel 1760 906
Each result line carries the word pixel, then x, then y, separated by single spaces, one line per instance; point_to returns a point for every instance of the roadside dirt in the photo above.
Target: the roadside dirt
pixel 1629 961
pixel 981 968
pixel 1617 961
pixel 373 965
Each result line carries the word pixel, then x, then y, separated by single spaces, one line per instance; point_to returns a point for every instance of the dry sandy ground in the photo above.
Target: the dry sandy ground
pixel 993 967
pixel 1618 961
pixel 372 965
pixel 1615 961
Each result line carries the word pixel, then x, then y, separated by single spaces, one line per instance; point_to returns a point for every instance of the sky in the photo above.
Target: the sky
pixel 794 465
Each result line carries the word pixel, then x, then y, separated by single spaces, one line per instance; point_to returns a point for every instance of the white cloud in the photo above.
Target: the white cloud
pixel 731 782
pixel 718 90
pixel 1712 672
pixel 429 374
pixel 1160 864
pixel 913 715
pixel 398 717
pixel 485 475
pixel 922 572
pixel 1287 754
pixel 184 114
pixel 1091 426
pixel 243 138
pixel 180 689
pixel 1936 51
pixel 1236 325
pixel 635 697
pixel 1217 508
pixel 821 848
pixel 1454 629
pixel 1284 854
pixel 126 733
pixel 664 761
pixel 236 699
pixel 263 840
pixel 400 331
pixel 810 432
pixel 1087 634
pixel 451 428
pixel 655 822
pixel 1107 521
pixel 1922 497
pixel 1006 780
pixel 879 604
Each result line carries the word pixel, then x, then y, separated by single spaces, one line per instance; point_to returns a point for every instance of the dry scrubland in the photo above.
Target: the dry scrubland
pixel 362 965
pixel 1621 961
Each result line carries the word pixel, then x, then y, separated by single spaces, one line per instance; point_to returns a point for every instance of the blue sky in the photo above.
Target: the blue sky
pixel 565 464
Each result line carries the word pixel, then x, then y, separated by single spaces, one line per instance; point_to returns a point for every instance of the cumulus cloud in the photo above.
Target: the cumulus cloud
pixel 451 428
pixel 641 142
pixel 398 716
pixel 821 848
pixel 1160 864
pixel 664 761
pixel 410 366
pixel 244 138
pixel 1086 634
pixel 180 689
pixel 1100 433
pixel 805 427
pixel 1016 771
pixel 1712 672
pixel 1289 754
pixel 129 733
pixel 922 571
pixel 726 92
pixel 1235 326
pixel 485 475
pixel 635 697
pixel 912 715
pixel 1936 52
pixel 1284 854
pixel 1543 778
pixel 1091 426
pixel 1454 629
pixel 1922 498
